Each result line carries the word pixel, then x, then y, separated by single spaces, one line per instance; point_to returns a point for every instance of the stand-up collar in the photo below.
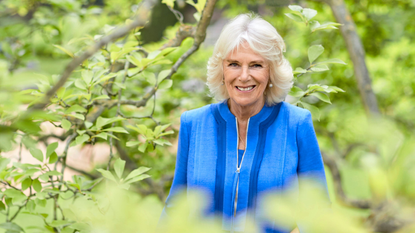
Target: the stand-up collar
pixel 228 116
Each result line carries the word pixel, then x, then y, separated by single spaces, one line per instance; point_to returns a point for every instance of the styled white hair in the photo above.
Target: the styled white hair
pixel 263 39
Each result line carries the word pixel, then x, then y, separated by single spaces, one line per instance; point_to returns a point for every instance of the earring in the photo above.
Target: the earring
pixel 270 85
pixel 223 82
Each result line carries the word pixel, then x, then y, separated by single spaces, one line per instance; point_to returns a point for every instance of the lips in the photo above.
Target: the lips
pixel 245 88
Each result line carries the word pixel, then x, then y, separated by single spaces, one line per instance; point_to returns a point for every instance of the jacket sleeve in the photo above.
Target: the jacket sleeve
pixel 310 168
pixel 310 162
pixel 180 173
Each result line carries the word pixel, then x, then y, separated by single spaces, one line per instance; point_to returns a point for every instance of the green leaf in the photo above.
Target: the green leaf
pixel 51 148
pixel 64 50
pixel 26 183
pixel 167 83
pixel 137 172
pixel 106 174
pixel 296 92
pixel 294 17
pixel 31 205
pixel 299 70
pixel 309 13
pixel 321 96
pixel 166 133
pixel 163 74
pixel 315 112
pixel 101 121
pixel 82 138
pixel 319 68
pixel 53 158
pixel 37 154
pixel 150 78
pixel 12 193
pixel 101 135
pixel 160 128
pixel 75 108
pixel 135 59
pixel 199 6
pixel 79 83
pixel 166 51
pixel 88 124
pixel 162 142
pixel 136 179
pixel 119 167
pixel 78 116
pixel 169 3
pixel 101 97
pixel 2 206
pixel 141 129
pixel 332 61
pixel 116 129
pixel 315 26
pixel 87 76
pixel 132 143
pixel 153 54
pixel 142 148
pixel 314 52
pixel 80 132
pixel 37 186
pixel 295 8
pixel 11 227
pixel 337 89
pixel 66 125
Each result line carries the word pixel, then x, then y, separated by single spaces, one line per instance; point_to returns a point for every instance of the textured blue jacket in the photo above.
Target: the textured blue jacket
pixel 281 145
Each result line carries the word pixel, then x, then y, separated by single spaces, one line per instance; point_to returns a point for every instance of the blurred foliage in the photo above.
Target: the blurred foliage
pixel 38 38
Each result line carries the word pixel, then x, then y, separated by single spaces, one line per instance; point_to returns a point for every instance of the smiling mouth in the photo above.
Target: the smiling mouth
pixel 246 89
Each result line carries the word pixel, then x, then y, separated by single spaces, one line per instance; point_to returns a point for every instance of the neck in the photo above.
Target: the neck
pixel 243 113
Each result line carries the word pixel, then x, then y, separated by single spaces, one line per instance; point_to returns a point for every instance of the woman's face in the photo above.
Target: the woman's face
pixel 246 76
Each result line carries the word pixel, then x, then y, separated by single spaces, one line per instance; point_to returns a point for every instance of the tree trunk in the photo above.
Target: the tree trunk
pixel 357 54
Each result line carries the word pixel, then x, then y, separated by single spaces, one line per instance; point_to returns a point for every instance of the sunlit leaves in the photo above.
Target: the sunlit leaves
pixel 169 3
pixel 314 52
pixel 134 176
pixel 150 137
pixel 101 121
pixel 37 154
pixel 315 112
pixel 64 50
pixel 316 26
pixel 199 5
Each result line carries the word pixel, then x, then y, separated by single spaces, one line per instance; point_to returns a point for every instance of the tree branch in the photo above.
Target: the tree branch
pixel 141 19
pixel 357 54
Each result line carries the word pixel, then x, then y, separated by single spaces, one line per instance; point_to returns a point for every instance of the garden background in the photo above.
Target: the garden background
pixel 92 92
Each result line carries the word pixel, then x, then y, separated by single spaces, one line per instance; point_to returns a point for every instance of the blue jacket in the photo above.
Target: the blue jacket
pixel 281 145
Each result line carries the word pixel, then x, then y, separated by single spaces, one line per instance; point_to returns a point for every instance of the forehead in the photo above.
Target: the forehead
pixel 244 52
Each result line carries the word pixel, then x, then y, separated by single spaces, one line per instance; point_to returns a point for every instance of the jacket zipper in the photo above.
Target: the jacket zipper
pixel 238 167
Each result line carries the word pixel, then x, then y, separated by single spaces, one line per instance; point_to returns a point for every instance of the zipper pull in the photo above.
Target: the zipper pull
pixel 238 170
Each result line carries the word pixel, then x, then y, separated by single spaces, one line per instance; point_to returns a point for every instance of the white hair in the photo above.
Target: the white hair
pixel 263 39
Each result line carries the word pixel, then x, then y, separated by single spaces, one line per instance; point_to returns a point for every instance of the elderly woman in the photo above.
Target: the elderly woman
pixel 252 141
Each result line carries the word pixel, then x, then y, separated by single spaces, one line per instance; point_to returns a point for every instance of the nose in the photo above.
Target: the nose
pixel 244 76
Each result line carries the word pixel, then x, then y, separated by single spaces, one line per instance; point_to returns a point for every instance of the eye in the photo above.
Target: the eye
pixel 257 65
pixel 233 64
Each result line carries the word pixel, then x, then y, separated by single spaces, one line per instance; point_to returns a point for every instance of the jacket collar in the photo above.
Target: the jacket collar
pixel 254 120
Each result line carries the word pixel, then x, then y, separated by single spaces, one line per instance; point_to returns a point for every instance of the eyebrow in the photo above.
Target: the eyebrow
pixel 256 61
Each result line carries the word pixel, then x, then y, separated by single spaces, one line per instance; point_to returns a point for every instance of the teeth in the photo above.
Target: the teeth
pixel 245 89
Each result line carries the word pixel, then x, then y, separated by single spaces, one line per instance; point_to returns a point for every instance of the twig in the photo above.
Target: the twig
pixel 65 154
pixel 142 17
pixel 85 173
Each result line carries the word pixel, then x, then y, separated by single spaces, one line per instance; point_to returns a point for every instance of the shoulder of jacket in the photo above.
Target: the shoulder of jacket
pixel 197 114
pixel 296 113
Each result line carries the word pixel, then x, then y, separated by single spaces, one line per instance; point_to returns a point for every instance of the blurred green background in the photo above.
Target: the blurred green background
pixel 373 155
